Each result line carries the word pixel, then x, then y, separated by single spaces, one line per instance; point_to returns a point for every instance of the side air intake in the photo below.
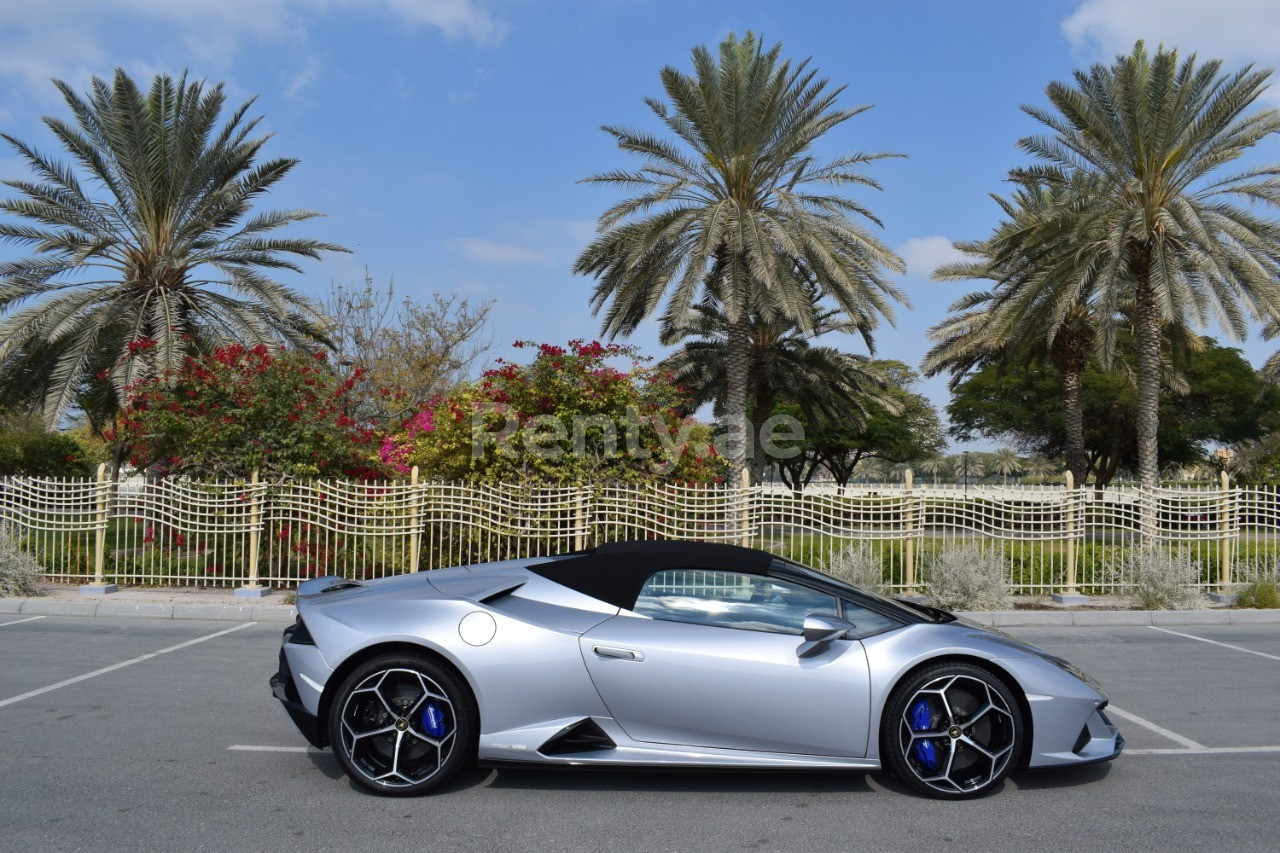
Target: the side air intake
pixel 583 736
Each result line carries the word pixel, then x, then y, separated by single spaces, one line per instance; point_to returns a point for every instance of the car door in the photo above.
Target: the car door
pixel 709 659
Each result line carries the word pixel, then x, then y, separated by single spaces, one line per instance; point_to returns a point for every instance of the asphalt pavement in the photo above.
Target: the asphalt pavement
pixel 148 734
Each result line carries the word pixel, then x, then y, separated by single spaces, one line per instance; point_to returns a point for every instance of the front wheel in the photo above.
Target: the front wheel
pixel 952 731
pixel 402 725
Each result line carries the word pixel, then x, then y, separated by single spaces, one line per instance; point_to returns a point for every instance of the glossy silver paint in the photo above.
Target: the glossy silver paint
pixel 700 685
pixel 668 694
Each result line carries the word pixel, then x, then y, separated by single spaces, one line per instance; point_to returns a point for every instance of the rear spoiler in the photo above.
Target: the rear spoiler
pixel 329 583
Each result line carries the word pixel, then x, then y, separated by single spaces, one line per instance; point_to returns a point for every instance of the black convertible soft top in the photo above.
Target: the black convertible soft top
pixel 614 573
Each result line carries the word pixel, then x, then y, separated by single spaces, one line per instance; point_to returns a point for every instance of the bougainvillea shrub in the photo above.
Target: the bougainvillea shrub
pixel 571 415
pixel 240 409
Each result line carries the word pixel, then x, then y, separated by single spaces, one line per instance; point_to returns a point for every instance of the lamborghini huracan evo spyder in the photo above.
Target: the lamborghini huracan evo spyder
pixel 671 654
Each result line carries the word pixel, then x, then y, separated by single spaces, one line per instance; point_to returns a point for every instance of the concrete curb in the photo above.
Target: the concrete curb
pixel 150 610
pixel 1096 618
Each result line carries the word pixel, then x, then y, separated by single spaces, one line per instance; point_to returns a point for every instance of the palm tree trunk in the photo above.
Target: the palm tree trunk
pixel 737 375
pixel 1077 461
pixel 1148 335
pixel 760 412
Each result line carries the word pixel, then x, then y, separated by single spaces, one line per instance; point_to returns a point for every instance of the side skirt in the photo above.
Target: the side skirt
pixel 523 747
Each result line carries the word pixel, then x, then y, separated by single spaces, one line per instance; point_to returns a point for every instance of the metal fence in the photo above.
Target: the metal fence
pixel 231 533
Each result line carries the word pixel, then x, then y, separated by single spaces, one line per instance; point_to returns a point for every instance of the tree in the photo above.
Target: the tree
pixel 786 366
pixel 1224 402
pixel 936 466
pixel 1005 462
pixel 411 349
pixel 1138 149
pixel 144 249
pixel 741 207
pixel 569 416
pixel 1040 468
pixel 969 466
pixel 240 409
pixel 1023 317
pixel 904 428
pixel 28 448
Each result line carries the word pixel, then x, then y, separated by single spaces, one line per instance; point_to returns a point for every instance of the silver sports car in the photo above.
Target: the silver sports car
pixel 671 654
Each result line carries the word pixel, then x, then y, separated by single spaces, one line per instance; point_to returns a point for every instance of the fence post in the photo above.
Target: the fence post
pixel 579 527
pixel 1224 566
pixel 253 589
pixel 415 515
pixel 744 520
pixel 1069 531
pixel 99 586
pixel 909 524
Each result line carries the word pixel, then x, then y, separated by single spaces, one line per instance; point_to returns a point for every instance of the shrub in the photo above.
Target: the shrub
pixel 1262 595
pixel 19 572
pixel 857 565
pixel 30 450
pixel 568 416
pixel 967 578
pixel 237 409
pixel 1161 580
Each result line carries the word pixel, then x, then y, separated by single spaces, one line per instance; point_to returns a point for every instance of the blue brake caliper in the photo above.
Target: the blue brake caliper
pixel 922 721
pixel 433 720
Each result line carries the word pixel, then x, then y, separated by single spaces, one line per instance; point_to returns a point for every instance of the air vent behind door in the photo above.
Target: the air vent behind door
pixel 583 736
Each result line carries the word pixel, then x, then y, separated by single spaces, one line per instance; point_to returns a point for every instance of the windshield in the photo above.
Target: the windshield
pixel 920 609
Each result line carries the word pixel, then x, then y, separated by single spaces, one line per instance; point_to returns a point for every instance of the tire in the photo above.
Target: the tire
pixel 952 731
pixel 403 724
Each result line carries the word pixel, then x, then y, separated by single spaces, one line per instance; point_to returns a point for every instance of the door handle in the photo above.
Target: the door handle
pixel 619 654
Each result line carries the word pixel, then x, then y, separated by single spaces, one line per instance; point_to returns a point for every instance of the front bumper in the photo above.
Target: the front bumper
pixel 285 689
pixel 1098 741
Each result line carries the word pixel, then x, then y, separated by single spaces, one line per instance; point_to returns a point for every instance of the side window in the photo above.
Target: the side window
pixel 867 622
pixel 730 600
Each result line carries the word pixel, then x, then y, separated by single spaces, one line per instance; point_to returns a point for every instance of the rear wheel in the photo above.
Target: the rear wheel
pixel 402 724
pixel 952 731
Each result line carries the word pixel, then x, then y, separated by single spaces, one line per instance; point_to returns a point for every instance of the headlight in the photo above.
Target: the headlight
pixel 1077 672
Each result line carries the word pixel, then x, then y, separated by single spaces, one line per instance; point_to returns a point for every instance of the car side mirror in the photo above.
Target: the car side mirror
pixel 820 631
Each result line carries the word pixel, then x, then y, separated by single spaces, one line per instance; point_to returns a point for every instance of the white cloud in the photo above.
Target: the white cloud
pixel 454 18
pixel 1237 31
pixel 493 252
pixel 557 240
pixel 308 74
pixel 69 38
pixel 925 254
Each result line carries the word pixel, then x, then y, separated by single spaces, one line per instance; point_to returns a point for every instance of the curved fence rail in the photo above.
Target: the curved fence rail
pixel 232 533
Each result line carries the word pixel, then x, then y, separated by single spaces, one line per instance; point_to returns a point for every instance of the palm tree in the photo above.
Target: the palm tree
pixel 936 466
pixel 1039 467
pixel 1005 462
pixel 1139 147
pixel 967 466
pixel 741 204
pixel 870 470
pixel 144 249
pixel 785 365
pixel 1040 311
pixel 1025 317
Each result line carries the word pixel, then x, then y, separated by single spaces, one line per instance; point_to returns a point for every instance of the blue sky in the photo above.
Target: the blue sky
pixel 444 139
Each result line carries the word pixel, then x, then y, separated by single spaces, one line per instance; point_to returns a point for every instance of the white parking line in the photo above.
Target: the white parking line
pixel 20 621
pixel 1216 643
pixel 242 747
pixel 14 699
pixel 1160 730
pixel 1207 750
